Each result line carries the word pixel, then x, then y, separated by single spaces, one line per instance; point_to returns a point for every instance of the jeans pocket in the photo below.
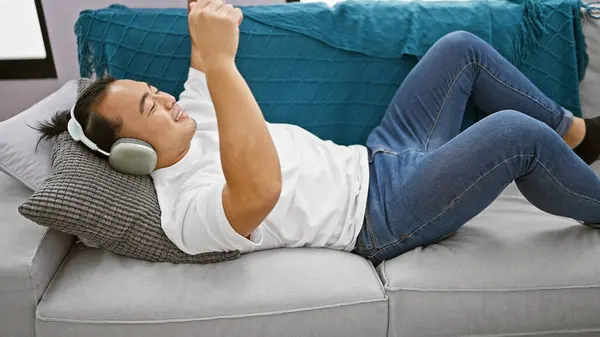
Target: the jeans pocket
pixel 378 150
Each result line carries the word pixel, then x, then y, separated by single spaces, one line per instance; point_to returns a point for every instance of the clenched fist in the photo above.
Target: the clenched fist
pixel 214 32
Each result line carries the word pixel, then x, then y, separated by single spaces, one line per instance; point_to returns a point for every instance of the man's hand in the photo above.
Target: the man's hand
pixel 214 32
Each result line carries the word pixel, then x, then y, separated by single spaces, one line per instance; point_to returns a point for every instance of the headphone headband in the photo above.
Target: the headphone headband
pixel 76 132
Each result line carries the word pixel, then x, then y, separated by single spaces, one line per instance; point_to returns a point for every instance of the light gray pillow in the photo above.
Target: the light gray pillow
pixel 18 156
pixel 84 196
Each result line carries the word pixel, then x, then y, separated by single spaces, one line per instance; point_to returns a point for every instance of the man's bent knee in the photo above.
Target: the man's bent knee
pixel 510 125
pixel 458 40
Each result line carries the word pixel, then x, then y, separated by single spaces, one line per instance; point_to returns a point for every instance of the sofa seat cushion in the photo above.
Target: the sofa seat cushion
pixel 30 255
pixel 512 270
pixel 283 292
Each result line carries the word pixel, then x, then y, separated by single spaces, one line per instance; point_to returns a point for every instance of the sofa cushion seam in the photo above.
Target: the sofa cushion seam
pixel 35 253
pixel 537 333
pixel 56 273
pixel 13 175
pixel 381 284
pixel 491 290
pixel 386 281
pixel 183 320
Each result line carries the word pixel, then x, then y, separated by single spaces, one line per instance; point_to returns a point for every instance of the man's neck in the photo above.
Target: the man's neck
pixel 175 159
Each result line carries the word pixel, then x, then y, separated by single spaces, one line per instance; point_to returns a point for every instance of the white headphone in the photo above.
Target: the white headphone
pixel 127 155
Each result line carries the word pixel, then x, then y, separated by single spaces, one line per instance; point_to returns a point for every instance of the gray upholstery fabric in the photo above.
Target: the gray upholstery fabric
pixel 29 257
pixel 511 270
pixel 281 292
pixel 590 87
pixel 84 196
pixel 18 155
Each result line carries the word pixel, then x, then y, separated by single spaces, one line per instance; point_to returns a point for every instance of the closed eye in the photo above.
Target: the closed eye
pixel 153 104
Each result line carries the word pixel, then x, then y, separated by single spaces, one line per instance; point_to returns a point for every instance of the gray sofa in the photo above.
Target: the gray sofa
pixel 513 271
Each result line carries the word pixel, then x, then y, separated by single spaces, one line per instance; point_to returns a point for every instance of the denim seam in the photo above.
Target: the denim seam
pixel 373 238
pixel 386 151
pixel 360 245
pixel 437 117
pixel 566 122
pixel 455 201
pixel 517 90
pixel 397 153
pixel 563 186
pixel 497 80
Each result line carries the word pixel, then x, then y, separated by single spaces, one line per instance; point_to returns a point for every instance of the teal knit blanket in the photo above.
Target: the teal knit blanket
pixel 334 70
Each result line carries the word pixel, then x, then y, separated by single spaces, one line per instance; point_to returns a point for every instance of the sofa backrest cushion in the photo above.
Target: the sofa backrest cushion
pixel 332 84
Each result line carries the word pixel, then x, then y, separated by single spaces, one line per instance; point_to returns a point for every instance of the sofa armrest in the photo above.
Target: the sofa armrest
pixel 590 86
pixel 30 255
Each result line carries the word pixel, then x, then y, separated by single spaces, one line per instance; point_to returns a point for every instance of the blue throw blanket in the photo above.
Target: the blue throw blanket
pixel 334 70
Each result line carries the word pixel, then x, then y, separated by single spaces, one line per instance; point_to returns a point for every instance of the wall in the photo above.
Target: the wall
pixel 60 17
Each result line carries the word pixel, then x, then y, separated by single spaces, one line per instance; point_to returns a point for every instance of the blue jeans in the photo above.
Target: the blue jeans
pixel 427 179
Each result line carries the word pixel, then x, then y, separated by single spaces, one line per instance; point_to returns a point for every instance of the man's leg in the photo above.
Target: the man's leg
pixel 426 179
pixel 447 187
pixel 428 108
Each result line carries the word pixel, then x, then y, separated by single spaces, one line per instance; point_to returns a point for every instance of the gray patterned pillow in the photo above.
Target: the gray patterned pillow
pixel 84 196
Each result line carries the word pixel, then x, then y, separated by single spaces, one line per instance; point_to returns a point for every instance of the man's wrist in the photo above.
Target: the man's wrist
pixel 196 61
pixel 219 65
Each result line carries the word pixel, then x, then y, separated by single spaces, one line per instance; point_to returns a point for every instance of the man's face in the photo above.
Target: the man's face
pixel 149 115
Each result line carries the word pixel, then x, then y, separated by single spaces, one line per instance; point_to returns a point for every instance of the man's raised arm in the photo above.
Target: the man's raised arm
pixel 248 156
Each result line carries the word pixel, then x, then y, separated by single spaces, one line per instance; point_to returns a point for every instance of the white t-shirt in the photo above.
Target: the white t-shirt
pixel 322 202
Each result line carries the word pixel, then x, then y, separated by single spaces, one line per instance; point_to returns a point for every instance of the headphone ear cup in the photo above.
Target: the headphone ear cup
pixel 132 156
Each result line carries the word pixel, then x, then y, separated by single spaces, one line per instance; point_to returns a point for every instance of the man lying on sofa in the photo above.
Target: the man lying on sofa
pixel 228 180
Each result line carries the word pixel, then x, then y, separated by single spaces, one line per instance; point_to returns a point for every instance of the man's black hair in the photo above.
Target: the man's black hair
pixel 98 129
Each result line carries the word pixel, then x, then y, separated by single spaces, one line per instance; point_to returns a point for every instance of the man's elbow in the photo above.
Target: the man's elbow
pixel 271 193
pixel 247 211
